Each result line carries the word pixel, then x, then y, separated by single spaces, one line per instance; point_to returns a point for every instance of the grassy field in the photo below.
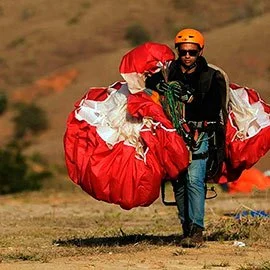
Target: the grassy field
pixel 70 230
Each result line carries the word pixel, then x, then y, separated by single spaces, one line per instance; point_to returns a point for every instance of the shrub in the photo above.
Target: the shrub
pixel 136 34
pixel 27 13
pixel 75 19
pixel 29 119
pixel 3 102
pixel 183 4
pixel 16 43
pixel 86 4
pixel 15 173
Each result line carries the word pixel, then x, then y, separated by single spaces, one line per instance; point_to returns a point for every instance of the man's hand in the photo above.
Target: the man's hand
pixel 179 90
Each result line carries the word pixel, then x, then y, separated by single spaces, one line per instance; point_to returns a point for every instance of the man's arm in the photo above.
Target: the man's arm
pixel 152 81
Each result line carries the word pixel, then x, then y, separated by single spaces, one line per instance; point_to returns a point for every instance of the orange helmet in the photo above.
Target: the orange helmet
pixel 189 36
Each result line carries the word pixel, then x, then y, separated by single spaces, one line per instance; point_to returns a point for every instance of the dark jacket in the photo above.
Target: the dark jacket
pixel 209 104
pixel 209 86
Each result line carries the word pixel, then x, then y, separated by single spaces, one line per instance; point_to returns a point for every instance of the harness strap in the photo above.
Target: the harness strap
pixel 201 124
pixel 202 155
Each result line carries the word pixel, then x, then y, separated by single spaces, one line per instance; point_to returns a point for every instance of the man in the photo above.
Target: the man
pixel 202 91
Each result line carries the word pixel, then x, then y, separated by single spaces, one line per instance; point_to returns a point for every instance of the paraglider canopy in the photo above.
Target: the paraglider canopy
pixel 249 180
pixel 145 59
pixel 120 146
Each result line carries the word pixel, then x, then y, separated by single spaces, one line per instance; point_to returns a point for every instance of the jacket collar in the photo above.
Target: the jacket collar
pixel 201 64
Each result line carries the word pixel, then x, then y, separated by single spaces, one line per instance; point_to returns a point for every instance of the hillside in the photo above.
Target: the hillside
pixel 41 37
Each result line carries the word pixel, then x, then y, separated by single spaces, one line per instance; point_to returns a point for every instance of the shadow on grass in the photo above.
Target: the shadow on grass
pixel 119 240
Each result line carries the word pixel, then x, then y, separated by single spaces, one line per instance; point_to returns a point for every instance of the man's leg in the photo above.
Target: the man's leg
pixel 196 195
pixel 196 191
pixel 181 198
pixel 190 198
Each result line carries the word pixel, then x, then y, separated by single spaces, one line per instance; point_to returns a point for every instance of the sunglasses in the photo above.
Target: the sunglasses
pixel 190 52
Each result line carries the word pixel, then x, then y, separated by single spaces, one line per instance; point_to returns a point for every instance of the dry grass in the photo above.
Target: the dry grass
pixel 247 228
pixel 45 226
pixel 44 232
pixel 253 266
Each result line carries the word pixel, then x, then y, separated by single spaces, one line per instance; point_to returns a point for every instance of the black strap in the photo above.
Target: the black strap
pixel 163 195
pixel 201 125
pixel 211 192
pixel 202 155
pixel 206 80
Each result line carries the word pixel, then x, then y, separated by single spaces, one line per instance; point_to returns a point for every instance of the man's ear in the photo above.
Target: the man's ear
pixel 201 52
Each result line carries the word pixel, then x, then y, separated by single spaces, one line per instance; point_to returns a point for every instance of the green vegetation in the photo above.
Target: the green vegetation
pixel 86 4
pixel 28 13
pixel 3 102
pixel 75 19
pixel 136 34
pixel 30 120
pixel 19 172
pixel 16 174
pixel 78 16
pixel 3 61
pixel 183 4
pixel 16 43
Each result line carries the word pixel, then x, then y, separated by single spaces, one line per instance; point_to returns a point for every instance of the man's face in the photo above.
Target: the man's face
pixel 188 53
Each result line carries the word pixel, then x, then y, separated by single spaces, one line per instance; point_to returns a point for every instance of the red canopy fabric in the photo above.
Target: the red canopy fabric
pixel 119 144
pixel 146 58
pixel 247 132
pixel 129 171
pixel 143 60
pixel 250 180
pixel 115 174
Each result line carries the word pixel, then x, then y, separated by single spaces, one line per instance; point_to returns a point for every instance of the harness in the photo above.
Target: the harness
pixel 193 133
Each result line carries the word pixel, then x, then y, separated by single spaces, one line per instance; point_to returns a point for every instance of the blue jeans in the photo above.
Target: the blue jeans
pixel 189 189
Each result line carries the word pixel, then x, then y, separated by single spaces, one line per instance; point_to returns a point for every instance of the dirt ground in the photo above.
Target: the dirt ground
pixel 70 230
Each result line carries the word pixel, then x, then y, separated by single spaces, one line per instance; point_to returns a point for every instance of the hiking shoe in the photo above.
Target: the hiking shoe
pixel 195 239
